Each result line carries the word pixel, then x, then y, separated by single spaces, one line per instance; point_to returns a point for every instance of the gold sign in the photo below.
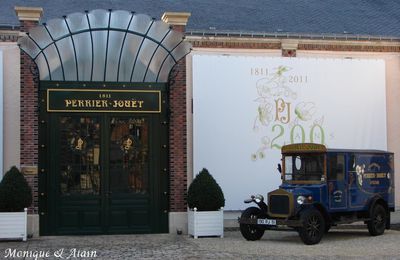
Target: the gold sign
pixel 303 148
pixel 89 100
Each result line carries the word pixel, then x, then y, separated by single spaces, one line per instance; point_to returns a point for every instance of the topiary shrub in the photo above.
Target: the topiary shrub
pixel 204 193
pixel 15 193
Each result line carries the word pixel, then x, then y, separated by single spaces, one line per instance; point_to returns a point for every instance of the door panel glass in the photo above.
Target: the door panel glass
pixel 128 153
pixel 80 155
pixel 336 167
pixel 336 182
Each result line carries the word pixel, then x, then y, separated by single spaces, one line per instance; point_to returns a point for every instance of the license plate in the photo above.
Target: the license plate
pixel 268 222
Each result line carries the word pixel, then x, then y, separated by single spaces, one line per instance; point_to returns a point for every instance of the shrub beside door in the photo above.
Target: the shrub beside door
pixel 206 201
pixel 15 197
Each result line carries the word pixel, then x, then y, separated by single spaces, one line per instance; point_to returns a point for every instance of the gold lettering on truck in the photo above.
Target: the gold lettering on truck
pixel 381 175
pixel 369 175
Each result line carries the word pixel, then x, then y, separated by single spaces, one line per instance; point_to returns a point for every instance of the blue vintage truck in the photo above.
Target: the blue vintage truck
pixel 322 188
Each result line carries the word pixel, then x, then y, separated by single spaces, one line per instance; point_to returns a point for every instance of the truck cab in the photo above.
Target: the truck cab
pixel 322 188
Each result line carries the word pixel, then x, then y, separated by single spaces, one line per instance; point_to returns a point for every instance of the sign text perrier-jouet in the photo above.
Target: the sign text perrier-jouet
pixel 88 100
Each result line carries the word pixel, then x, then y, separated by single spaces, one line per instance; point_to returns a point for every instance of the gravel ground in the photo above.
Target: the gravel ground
pixel 337 244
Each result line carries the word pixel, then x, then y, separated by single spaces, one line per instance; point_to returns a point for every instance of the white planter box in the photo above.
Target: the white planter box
pixel 13 225
pixel 206 223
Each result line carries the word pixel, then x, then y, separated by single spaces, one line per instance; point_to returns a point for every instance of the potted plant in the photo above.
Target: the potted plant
pixel 205 206
pixel 15 197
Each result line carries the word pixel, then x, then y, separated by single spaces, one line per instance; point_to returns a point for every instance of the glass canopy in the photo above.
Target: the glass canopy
pixel 107 46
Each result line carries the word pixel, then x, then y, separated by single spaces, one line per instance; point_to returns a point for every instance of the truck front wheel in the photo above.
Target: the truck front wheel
pixel 313 226
pixel 377 223
pixel 251 232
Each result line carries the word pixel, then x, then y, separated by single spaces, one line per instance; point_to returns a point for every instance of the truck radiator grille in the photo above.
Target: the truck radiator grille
pixel 279 204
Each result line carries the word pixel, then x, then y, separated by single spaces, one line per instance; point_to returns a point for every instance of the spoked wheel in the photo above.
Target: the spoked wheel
pixel 251 232
pixel 313 227
pixel 377 224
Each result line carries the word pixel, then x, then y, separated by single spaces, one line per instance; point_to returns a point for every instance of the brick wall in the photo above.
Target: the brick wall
pixel 33 182
pixel 178 138
pixel 345 47
pixel 235 45
pixel 29 117
pixel 250 43
pixel 177 135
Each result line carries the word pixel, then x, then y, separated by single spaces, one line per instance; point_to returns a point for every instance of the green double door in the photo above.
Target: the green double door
pixel 107 174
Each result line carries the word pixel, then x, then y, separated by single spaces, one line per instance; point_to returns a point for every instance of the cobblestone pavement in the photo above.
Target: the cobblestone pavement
pixel 337 244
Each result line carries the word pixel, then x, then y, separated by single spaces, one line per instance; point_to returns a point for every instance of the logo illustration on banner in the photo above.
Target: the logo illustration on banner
pixel 284 114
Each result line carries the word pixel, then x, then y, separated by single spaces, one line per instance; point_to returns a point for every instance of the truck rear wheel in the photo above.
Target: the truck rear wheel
pixel 313 226
pixel 251 232
pixel 377 224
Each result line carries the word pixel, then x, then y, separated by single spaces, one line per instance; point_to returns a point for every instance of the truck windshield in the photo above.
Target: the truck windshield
pixel 304 167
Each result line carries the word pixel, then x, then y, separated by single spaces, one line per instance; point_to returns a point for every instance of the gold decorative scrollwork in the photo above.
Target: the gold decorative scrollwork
pixel 77 143
pixel 127 143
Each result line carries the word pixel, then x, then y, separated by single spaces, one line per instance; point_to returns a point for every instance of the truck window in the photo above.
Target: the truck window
pixel 304 167
pixel 336 167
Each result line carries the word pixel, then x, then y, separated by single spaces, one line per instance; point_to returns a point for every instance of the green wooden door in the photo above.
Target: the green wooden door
pixel 75 174
pixel 131 180
pixel 103 158
pixel 106 174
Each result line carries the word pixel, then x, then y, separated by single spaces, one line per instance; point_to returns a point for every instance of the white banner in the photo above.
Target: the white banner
pixel 246 108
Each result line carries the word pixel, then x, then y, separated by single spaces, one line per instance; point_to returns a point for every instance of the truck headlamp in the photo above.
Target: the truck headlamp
pixel 300 200
pixel 258 198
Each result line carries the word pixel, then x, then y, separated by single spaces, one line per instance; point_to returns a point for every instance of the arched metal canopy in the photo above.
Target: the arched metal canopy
pixel 107 46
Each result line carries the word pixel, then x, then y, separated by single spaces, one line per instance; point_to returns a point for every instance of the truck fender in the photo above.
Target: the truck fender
pixel 324 213
pixel 320 208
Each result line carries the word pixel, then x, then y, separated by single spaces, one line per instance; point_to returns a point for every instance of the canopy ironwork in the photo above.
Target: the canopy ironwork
pixel 106 46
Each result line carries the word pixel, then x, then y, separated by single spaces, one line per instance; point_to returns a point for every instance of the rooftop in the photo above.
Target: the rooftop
pixel 257 18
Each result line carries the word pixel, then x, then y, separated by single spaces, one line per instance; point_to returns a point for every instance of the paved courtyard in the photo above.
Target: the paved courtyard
pixel 354 243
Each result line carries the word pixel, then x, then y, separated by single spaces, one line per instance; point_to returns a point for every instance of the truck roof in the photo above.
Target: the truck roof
pixel 336 150
pixel 319 148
